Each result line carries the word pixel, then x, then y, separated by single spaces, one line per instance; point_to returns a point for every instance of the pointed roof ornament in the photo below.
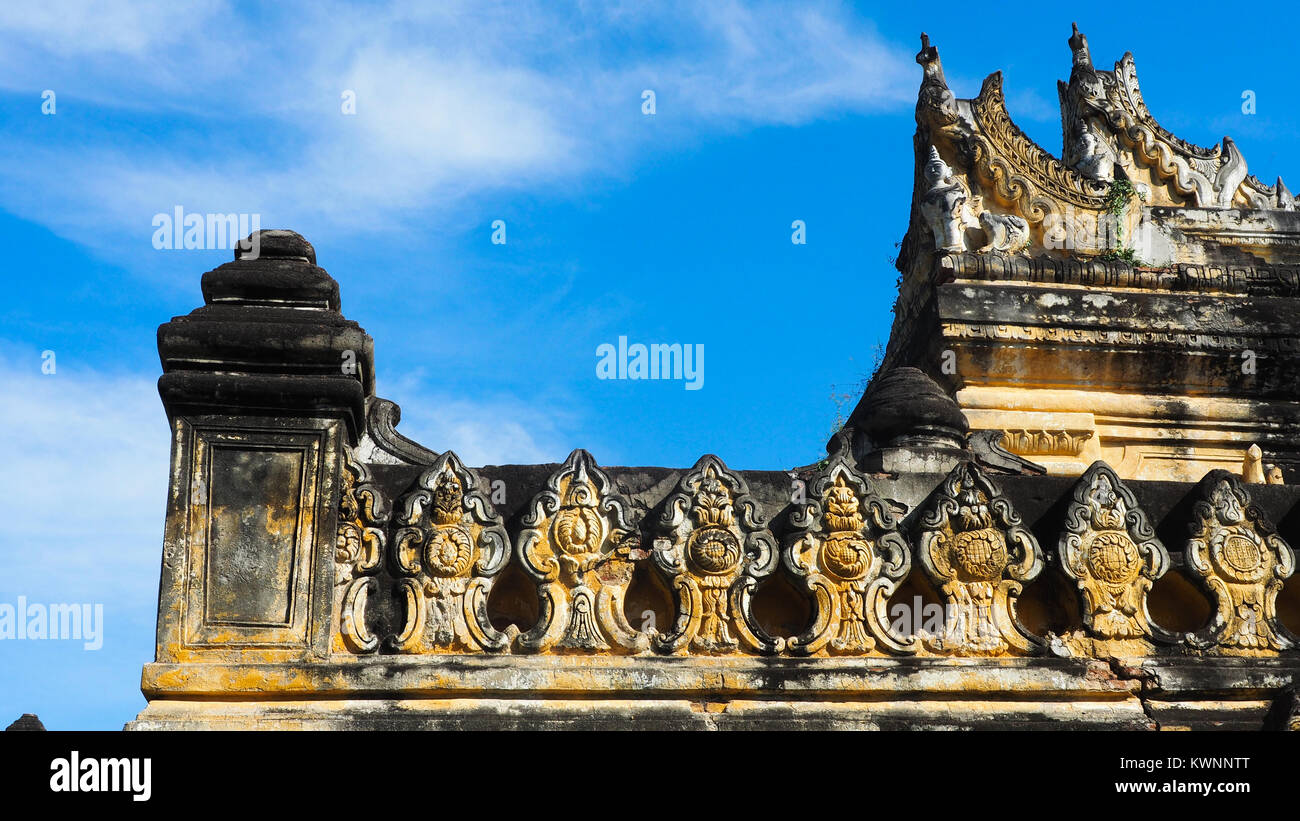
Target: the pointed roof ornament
pixel 935 98
pixel 1079 45
pixel 928 59
pixel 1284 199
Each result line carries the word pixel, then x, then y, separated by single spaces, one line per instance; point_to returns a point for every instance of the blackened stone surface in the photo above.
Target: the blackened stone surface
pixel 28 721
pixel 903 401
pixel 270 339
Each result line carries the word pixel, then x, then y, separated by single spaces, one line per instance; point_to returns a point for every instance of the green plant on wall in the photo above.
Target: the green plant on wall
pixel 1118 198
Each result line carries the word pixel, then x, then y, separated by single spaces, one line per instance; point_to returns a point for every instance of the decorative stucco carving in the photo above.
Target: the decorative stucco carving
pixel 1111 552
pixel 848 552
pixel 579 546
pixel 1092 156
pixel 943 203
pixel 936 101
pixel 1017 171
pixel 1242 562
pixel 358 555
pixel 382 444
pixel 1007 233
pixel 976 551
pixel 714 550
pixel 1059 442
pixel 448 549
pixel 1109 107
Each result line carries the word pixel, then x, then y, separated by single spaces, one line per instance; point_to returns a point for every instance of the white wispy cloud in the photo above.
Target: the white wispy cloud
pixel 499 429
pixel 450 102
pixel 85 481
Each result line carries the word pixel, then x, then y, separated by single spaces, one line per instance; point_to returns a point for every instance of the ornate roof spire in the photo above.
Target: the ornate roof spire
pixel 928 59
pixel 1079 45
pixel 935 96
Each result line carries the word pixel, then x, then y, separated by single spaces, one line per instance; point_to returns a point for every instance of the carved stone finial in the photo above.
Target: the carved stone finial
pixel 935 100
pixel 1284 200
pixel 975 549
pixel 1079 45
pixel 275 243
pixel 1252 466
pixel 1110 550
pixel 850 555
pixel 1242 562
pixel 928 53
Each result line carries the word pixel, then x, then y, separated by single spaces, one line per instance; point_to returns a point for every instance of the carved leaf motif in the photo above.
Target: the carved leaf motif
pixel 579 546
pixel 714 551
pixel 847 549
pixel 450 545
pixel 1110 550
pixel 976 551
pixel 1243 563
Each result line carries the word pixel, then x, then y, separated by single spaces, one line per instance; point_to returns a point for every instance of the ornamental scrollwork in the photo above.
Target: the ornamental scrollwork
pixel 848 552
pixel 1110 550
pixel 1242 562
pixel 358 555
pixel 580 547
pixel 975 549
pixel 449 547
pixel 714 550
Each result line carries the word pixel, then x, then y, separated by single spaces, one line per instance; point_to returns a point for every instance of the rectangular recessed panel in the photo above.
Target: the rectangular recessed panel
pixel 254 510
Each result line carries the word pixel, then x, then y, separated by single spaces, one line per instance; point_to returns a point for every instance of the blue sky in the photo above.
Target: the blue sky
pixel 666 228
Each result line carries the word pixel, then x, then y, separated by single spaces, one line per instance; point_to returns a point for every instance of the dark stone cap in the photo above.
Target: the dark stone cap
pixel 270 338
pixel 905 401
pixel 276 243
pixel 28 721
pixel 275 268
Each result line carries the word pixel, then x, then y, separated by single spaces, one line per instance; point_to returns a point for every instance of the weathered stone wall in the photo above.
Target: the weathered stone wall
pixel 1134 300
pixel 320 570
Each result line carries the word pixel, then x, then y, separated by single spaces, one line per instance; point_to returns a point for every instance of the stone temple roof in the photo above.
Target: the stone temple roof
pixel 1111 303
pixel 321 570
pixel 1068 497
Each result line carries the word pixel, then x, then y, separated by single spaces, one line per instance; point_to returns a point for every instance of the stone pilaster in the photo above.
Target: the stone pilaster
pixel 263 387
